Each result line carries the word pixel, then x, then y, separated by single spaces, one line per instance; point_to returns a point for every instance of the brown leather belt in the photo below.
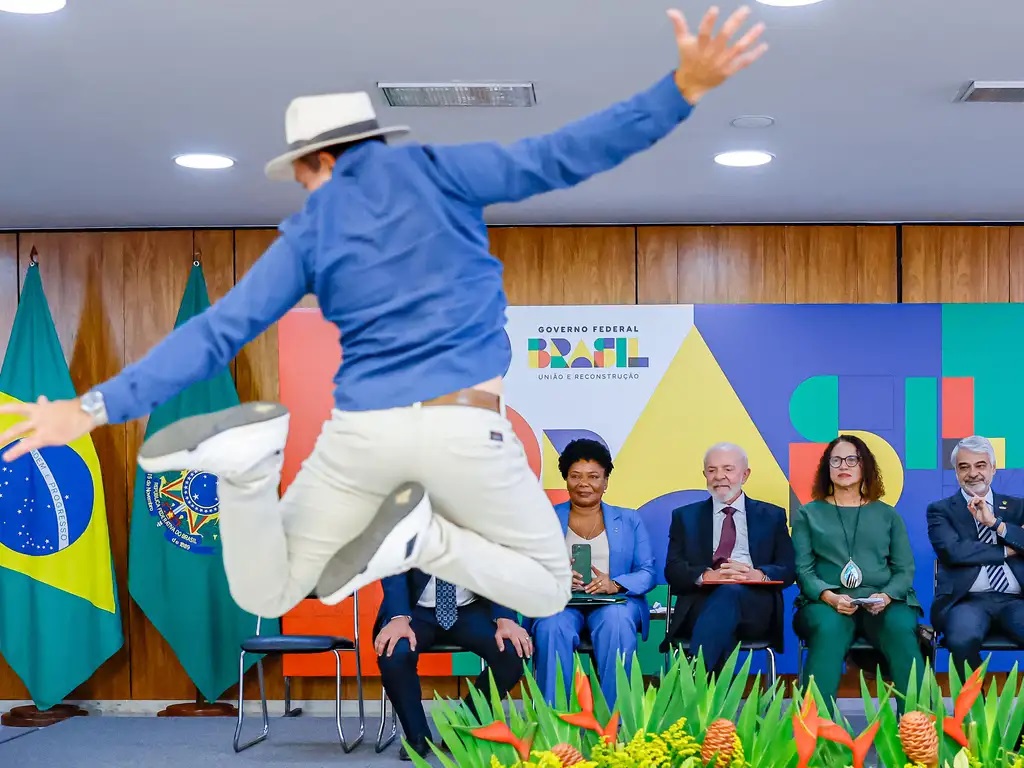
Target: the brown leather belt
pixel 475 398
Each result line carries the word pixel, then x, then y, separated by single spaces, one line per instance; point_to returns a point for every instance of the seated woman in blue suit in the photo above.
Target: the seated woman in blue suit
pixel 621 564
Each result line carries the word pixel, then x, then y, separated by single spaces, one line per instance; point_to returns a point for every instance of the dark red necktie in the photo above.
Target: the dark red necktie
pixel 728 539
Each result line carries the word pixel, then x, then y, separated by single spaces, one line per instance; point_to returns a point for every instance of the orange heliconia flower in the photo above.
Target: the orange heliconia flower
pixel 585 719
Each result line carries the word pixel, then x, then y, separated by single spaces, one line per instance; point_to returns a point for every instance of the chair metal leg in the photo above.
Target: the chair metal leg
pixel 771 667
pixel 345 746
pixel 289 711
pixel 383 743
pixel 241 703
pixel 361 701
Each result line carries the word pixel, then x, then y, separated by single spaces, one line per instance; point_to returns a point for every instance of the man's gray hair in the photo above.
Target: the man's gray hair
pixel 726 447
pixel 974 444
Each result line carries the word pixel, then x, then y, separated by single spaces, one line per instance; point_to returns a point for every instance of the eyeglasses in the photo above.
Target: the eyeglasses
pixel 850 461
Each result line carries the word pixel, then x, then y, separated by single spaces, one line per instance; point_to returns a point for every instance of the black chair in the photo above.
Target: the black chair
pixel 382 742
pixel 747 646
pixel 281 644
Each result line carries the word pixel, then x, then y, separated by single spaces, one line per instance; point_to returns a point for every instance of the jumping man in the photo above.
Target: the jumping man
pixel 417 466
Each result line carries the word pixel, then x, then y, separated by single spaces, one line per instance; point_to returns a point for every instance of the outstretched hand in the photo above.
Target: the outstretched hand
pixel 707 60
pixel 45 423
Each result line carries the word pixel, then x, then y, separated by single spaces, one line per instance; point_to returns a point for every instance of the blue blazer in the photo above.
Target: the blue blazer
pixel 403 592
pixel 690 540
pixel 960 554
pixel 630 559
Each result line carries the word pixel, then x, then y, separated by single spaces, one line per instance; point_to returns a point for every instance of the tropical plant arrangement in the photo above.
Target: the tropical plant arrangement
pixel 690 719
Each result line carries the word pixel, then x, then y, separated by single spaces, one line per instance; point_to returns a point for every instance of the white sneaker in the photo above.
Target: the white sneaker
pixel 225 443
pixel 390 545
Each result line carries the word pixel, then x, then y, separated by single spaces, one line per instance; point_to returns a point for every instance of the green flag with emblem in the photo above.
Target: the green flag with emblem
pixel 59 613
pixel 175 569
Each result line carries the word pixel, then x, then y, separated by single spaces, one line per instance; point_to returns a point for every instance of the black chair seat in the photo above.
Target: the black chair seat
pixel 296 644
pixel 745 645
pixel 994 641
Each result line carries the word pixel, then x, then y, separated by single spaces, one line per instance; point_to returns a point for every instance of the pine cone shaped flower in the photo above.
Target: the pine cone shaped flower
pixel 567 754
pixel 720 739
pixel 919 738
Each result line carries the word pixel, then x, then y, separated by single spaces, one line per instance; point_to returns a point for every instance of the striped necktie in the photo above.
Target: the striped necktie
pixel 997 580
pixel 445 607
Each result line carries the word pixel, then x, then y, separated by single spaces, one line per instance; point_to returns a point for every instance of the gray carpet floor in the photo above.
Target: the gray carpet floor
pixel 6 733
pixel 157 742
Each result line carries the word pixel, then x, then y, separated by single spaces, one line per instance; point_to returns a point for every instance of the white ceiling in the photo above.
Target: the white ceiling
pixel 97 99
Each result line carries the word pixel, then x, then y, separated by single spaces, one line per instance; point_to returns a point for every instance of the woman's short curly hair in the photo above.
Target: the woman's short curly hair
pixel 584 449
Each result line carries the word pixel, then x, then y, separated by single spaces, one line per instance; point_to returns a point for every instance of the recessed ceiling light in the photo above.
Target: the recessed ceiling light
pixel 32 6
pixel 788 3
pixel 204 162
pixel 752 121
pixel 744 158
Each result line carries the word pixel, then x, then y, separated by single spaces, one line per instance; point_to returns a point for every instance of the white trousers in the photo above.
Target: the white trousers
pixel 494 530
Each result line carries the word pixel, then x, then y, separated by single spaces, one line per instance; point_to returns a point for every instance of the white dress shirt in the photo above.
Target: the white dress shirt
pixel 741 551
pixel 429 597
pixel 981 584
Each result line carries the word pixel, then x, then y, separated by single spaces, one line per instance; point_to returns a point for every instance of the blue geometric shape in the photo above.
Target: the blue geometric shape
pixel 657 517
pixel 867 403
pixel 46 500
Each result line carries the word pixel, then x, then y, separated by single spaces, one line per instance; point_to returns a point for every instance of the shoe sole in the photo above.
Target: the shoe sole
pixel 400 516
pixel 176 442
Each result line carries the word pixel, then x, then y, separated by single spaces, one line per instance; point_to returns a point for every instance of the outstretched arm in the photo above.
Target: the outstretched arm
pixel 483 174
pixel 194 351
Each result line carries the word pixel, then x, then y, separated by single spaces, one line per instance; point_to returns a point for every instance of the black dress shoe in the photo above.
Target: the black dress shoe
pixel 420 746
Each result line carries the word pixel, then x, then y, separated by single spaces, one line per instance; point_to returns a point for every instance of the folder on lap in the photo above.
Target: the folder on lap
pixel 582 598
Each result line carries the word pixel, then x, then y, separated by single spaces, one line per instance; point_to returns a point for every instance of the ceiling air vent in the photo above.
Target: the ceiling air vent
pixel 993 91
pixel 459 94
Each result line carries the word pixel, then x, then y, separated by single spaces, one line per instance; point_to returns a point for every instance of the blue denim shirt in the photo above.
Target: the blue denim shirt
pixel 395 248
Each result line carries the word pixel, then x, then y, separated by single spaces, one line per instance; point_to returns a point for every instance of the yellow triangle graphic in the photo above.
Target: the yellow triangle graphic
pixel 693 407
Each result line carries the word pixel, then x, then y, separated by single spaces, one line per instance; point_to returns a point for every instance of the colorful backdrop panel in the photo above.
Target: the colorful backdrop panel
pixel 659 384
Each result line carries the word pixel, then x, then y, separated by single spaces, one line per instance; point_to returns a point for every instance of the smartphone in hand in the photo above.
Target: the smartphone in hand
pixel 581 562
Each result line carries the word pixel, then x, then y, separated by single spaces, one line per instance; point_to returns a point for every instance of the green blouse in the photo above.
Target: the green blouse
pixel 881 548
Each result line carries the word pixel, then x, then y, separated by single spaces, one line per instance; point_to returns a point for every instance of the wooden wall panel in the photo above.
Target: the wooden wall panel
pixel 1016 259
pixel 766 264
pixel 567 265
pixel 699 265
pixel 955 264
pixel 8 286
pixel 256 364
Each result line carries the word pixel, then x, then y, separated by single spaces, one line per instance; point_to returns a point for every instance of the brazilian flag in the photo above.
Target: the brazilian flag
pixel 175 568
pixel 59 614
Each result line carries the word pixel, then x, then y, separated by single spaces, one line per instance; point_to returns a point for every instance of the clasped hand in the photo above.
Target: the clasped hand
pixel 601 584
pixel 731 570
pixel 844 603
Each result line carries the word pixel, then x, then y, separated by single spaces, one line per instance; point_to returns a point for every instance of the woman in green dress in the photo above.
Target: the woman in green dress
pixel 849 546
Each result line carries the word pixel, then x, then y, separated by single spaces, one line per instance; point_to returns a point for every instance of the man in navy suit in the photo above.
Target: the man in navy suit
pixel 978 539
pixel 714 547
pixel 418 612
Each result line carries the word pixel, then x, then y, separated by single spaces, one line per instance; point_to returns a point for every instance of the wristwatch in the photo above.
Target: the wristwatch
pixel 995 526
pixel 92 403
